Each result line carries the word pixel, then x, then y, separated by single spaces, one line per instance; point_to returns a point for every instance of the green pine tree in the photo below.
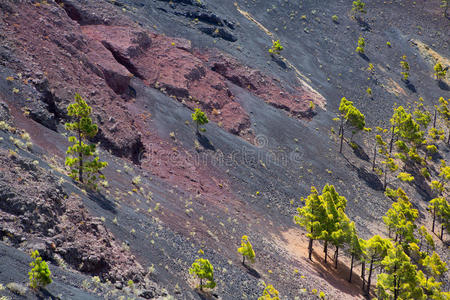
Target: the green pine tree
pixel 376 251
pixel 40 274
pixel 349 117
pixel 399 278
pixel 246 250
pixel 311 216
pixel 203 270
pixel 82 158
pixel 200 118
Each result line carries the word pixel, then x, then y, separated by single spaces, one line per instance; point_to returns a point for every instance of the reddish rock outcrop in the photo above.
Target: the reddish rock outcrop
pixel 36 213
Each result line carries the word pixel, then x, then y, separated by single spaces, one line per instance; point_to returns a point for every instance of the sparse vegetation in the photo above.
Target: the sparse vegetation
pixel 439 71
pixel 203 270
pixel 361 45
pixel 276 48
pixel 200 118
pixel 246 250
pixel 40 274
pixel 405 68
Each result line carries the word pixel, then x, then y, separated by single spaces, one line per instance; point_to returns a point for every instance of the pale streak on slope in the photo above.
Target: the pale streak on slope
pixel 304 81
pixel 431 56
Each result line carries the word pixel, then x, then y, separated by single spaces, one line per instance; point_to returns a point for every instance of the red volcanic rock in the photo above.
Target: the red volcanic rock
pixel 35 210
pixel 168 64
pixel 60 61
pixel 295 100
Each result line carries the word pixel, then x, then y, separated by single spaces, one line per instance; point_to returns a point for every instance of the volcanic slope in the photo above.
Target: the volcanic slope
pixel 144 66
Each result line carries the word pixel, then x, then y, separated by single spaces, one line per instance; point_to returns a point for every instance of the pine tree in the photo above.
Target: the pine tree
pixel 399 278
pixel 333 219
pixel 358 8
pixel 405 68
pixel 246 250
pixel 349 117
pixel 200 118
pixel 444 112
pixel 400 218
pixel 269 293
pixel 311 217
pixel 361 45
pixel 203 269
pixel 356 248
pixel 40 274
pixel 433 266
pixel 425 238
pixel 376 249
pixel 439 71
pixel 83 160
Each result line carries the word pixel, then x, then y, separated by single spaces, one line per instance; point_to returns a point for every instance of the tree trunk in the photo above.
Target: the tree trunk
pixel 370 274
pixel 336 257
pixel 385 177
pixel 310 249
pixel 243 260
pixel 442 231
pixel 363 275
pixel 434 218
pixel 342 140
pixel 80 157
pixel 201 284
pixel 325 249
pixel 434 120
pixel 391 143
pixel 448 139
pixel 351 268
pixel 374 158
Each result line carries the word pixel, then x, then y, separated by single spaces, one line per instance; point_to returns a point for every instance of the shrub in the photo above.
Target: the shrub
pixel 199 117
pixel 203 269
pixel 405 67
pixel 246 250
pixel 269 293
pixel 389 44
pixel 276 47
pixel 40 274
pixel 335 18
pixel 439 71
pixel 361 45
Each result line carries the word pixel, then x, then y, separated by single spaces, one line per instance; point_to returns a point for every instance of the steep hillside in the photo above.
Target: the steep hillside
pixel 143 67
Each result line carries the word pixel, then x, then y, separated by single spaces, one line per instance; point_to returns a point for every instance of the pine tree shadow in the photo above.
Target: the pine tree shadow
pixel 363 24
pixel 204 142
pixel 45 294
pixel 279 61
pixel 443 85
pixel 102 201
pixel 252 271
pixel 410 86
pixel 206 295
pixel 363 56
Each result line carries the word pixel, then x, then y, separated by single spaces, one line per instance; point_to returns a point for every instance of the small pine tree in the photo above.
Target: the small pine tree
pixel 405 67
pixel 40 274
pixel 200 118
pixel 269 293
pixel 361 45
pixel 439 71
pixel 358 7
pixel 351 117
pixel 203 269
pixel 246 250
pixel 82 169
pixel 276 48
